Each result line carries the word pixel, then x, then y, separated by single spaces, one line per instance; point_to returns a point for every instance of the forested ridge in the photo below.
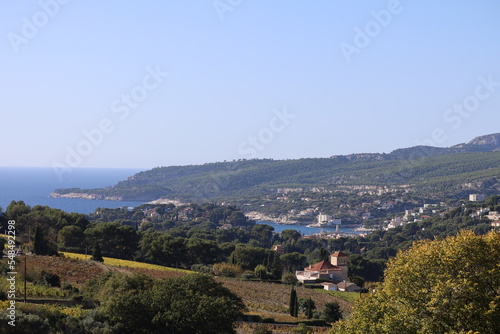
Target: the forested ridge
pixel 453 175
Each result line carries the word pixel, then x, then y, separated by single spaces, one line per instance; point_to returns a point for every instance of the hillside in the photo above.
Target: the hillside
pixel 454 171
pixel 267 300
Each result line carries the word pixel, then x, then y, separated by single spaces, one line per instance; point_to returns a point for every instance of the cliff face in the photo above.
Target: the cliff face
pixel 491 141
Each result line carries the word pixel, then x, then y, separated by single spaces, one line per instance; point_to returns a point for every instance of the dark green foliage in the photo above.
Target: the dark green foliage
pixel 71 238
pixel 50 279
pixel 249 257
pixel 289 278
pixel 262 329
pixel 439 169
pixel 301 329
pixel 25 324
pixel 293 304
pixel 115 240
pixel 190 304
pixel 306 307
pixel 96 253
pixel 40 245
pixel 332 312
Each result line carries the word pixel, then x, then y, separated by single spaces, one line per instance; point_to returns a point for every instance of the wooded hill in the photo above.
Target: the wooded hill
pixel 450 172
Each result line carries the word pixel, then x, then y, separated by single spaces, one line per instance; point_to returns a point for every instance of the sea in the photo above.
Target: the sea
pixel 305 230
pixel 34 186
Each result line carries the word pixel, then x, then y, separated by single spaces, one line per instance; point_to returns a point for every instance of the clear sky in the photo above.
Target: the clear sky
pixel 157 83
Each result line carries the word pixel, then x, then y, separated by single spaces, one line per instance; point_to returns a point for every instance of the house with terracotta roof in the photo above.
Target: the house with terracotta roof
pixel 279 249
pixel 348 287
pixel 334 270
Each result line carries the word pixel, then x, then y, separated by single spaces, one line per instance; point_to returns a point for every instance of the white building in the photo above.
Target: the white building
pixel 335 271
pixel 476 197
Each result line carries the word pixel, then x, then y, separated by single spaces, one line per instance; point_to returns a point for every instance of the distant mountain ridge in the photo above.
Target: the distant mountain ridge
pixel 453 171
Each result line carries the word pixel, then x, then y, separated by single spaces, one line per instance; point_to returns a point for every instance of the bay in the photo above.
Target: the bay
pixel 304 230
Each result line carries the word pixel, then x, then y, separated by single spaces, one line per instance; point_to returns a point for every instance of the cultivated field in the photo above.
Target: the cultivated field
pixel 270 300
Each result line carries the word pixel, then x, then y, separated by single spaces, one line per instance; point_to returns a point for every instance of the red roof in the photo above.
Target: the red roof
pixel 339 254
pixel 323 265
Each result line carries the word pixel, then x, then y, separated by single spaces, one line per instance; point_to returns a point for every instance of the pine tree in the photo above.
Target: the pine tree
pixel 293 306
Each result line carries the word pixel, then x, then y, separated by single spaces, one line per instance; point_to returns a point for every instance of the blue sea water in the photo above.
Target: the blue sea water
pixel 304 230
pixel 34 185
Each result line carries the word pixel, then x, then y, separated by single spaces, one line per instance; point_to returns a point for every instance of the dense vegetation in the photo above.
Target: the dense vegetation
pixel 449 285
pixel 422 174
pixel 210 239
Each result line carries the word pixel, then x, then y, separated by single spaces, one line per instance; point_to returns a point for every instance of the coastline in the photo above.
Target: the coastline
pixel 282 220
pixel 88 196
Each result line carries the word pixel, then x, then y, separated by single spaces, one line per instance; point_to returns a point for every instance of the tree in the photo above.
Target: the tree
pixel 359 281
pixel 293 305
pixel 332 312
pixel 249 257
pixel 96 253
pixel 70 237
pixel 189 304
pixel 306 306
pixel 202 251
pixel 289 278
pixel 290 236
pixel 40 244
pixel 260 271
pixel 116 240
pixel 450 285
pixel 294 261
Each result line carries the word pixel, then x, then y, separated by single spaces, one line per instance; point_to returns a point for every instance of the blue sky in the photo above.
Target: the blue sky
pixel 158 83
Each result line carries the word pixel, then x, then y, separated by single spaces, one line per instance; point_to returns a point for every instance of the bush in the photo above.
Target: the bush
pixel 289 279
pixel 43 278
pixel 201 268
pixel 301 329
pixel 227 269
pixel 51 279
pixel 262 329
pixel 247 276
pixel 26 324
